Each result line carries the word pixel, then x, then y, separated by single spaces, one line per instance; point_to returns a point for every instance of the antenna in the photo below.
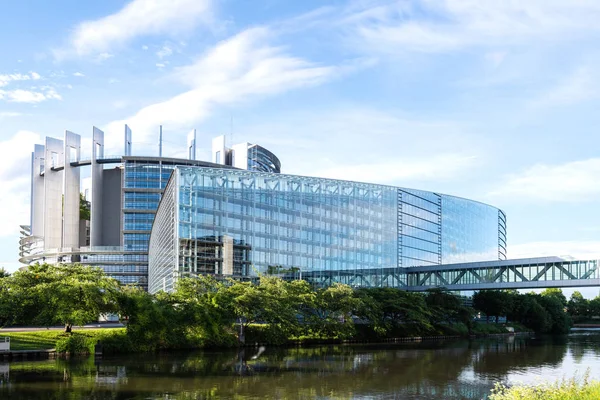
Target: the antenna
pixel 160 142
pixel 231 130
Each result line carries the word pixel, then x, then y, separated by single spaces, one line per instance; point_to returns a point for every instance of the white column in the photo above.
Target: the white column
pixel 53 201
pixel 96 206
pixel 37 191
pixel 71 187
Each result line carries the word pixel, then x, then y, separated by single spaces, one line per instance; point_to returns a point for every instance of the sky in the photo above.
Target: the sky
pixel 489 100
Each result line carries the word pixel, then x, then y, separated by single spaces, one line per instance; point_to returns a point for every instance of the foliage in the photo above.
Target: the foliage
pixel 557 294
pixel 387 308
pixel 562 390
pixel 578 306
pixel 493 303
pixel 47 295
pixel 543 313
pixel 327 313
pixel 84 208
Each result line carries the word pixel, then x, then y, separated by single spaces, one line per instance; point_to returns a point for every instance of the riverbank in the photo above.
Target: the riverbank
pixel 116 340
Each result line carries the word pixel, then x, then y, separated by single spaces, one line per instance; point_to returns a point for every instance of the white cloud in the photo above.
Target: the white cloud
pixel 164 51
pixel 401 169
pixel 137 18
pixel 104 56
pixel 431 26
pixel 8 114
pixel 29 96
pixel 15 181
pixel 8 78
pixel 583 250
pixel 144 47
pixel 575 181
pixel 362 144
pixel 234 70
pixel 78 74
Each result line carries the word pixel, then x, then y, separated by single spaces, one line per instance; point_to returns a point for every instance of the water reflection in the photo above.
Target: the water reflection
pixel 449 370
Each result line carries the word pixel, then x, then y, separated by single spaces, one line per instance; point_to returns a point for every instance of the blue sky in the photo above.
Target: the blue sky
pixel 490 100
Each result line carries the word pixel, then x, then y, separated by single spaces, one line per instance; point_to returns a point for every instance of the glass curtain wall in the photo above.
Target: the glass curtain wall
pixel 287 224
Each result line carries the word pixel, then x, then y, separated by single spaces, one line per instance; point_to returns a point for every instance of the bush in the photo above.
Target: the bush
pixel 563 390
pixel 75 344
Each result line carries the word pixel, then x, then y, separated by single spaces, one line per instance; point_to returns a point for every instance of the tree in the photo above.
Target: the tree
pixel 328 312
pixel 203 306
pixel 6 312
pixel 594 307
pixel 557 294
pixel 493 303
pixel 46 295
pixel 387 308
pixel 272 301
pixel 554 306
pixel 578 306
pixel 448 307
pixel 84 208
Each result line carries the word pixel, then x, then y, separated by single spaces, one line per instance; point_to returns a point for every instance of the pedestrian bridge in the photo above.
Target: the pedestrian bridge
pixel 528 273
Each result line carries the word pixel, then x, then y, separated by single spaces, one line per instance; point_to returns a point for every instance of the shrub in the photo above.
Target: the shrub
pixel 562 390
pixel 75 344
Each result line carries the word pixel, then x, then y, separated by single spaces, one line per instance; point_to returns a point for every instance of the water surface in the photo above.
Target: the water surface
pixel 458 369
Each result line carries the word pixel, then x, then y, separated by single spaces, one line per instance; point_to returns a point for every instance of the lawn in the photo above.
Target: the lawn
pixel 43 340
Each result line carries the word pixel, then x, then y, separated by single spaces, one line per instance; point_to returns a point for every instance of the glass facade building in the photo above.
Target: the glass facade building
pixel 236 222
pixel 153 219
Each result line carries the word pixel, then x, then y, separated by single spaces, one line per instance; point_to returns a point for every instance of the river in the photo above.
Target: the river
pixel 451 369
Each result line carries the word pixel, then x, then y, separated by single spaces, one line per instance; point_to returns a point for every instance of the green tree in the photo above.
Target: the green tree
pixel 493 303
pixel 7 314
pixel 46 295
pixel 555 307
pixel 448 307
pixel 84 208
pixel 386 308
pixel 328 312
pixel 578 306
pixel 204 309
pixel 594 307
pixel 557 294
pixel 272 301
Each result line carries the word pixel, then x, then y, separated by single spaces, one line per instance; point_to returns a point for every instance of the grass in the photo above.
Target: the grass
pixel 44 340
pixel 570 389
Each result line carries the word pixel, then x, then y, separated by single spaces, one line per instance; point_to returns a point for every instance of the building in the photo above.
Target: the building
pixel 124 195
pixel 286 223
pixel 154 219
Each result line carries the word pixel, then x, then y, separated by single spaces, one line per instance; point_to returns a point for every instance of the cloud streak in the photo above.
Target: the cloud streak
pixel 15 181
pixel 138 18
pixel 29 96
pixel 572 182
pixel 242 67
pixel 432 26
pixel 6 79
pixel 581 249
